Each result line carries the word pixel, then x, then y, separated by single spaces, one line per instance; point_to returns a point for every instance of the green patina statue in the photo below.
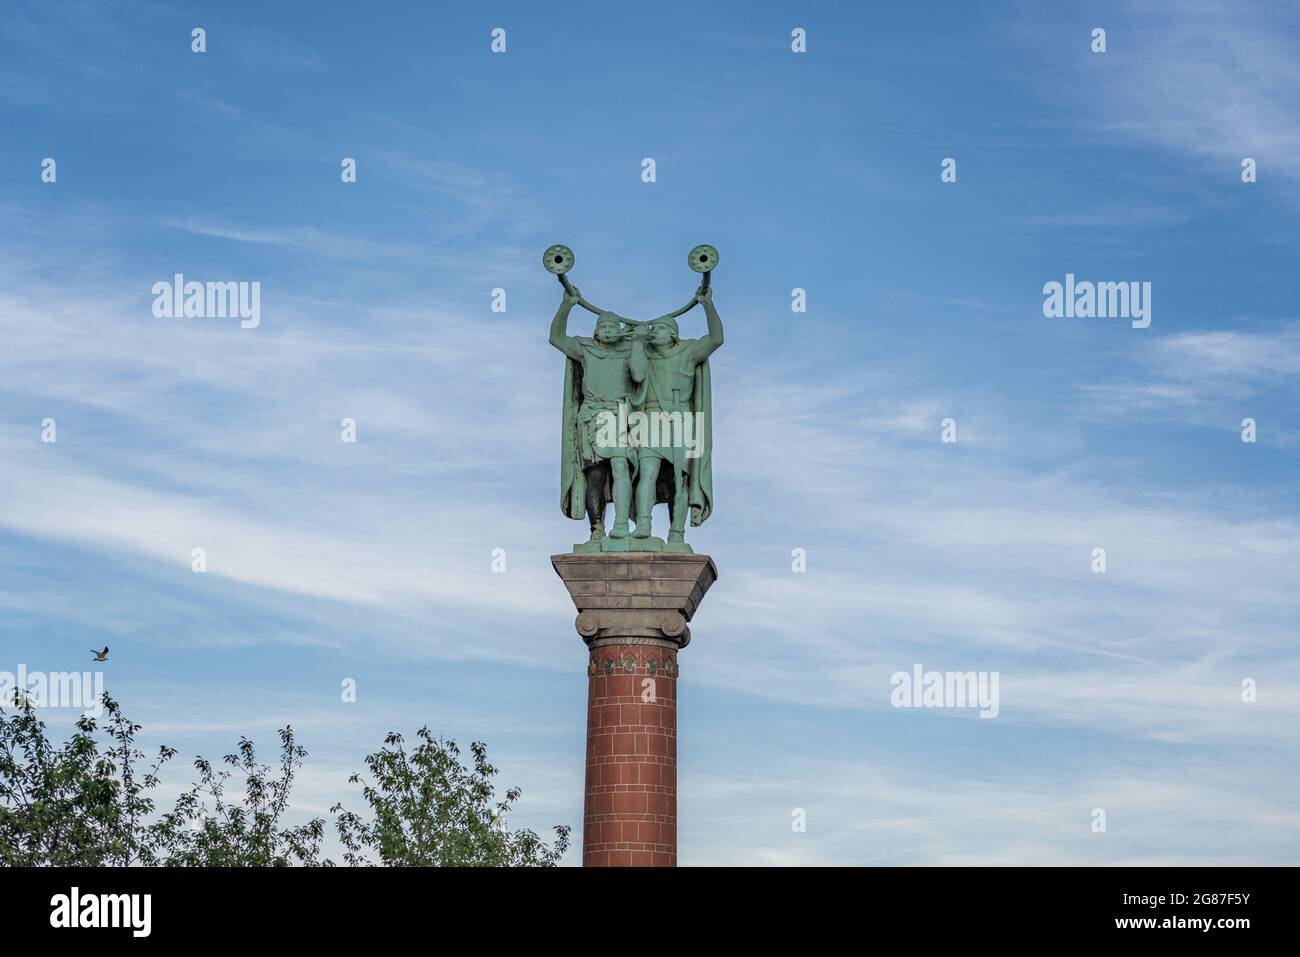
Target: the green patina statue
pixel 636 426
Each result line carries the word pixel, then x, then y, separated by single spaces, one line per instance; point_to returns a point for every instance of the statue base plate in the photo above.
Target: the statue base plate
pixel 630 544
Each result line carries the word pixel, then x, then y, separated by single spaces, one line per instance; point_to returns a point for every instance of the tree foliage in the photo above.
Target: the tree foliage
pixel 89 802
pixel 430 810
pixel 207 829
pixel 76 804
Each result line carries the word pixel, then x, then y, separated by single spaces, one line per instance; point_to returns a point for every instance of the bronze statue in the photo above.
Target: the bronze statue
pixel 636 425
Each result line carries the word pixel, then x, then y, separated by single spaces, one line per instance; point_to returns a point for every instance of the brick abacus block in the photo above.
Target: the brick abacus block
pixel 632 613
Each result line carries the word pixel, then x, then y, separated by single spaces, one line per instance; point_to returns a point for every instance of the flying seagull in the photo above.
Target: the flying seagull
pixel 100 655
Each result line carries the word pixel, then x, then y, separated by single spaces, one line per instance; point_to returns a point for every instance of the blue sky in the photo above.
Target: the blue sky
pixel 819 171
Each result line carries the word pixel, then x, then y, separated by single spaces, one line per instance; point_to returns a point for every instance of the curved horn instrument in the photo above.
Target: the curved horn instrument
pixel 559 259
pixel 702 258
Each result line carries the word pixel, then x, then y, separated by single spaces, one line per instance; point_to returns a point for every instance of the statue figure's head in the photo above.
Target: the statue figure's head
pixel 608 328
pixel 663 332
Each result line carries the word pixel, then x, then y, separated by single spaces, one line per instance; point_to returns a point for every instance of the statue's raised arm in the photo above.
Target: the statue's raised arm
pixel 707 345
pixel 560 337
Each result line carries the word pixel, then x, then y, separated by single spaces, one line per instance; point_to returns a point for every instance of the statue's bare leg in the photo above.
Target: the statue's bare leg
pixel 597 475
pixel 645 494
pixel 622 497
pixel 678 508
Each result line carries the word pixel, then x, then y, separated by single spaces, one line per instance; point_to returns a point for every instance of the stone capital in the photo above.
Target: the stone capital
pixel 635 596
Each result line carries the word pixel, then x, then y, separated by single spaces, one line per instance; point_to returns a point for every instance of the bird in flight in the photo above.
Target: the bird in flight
pixel 100 655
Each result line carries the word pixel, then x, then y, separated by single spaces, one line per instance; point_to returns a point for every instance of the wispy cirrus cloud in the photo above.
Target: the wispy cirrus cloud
pixel 308 239
pixel 1208 377
pixel 998 576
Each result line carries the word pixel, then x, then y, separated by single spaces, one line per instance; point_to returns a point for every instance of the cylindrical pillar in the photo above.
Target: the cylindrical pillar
pixel 632 613
pixel 630 811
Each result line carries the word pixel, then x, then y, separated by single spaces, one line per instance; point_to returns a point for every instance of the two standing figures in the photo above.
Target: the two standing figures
pixel 636 424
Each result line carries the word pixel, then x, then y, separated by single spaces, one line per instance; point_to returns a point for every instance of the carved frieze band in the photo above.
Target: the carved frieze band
pixel 630 659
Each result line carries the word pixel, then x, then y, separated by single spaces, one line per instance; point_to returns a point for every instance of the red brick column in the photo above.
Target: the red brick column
pixel 632 613
pixel 630 813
